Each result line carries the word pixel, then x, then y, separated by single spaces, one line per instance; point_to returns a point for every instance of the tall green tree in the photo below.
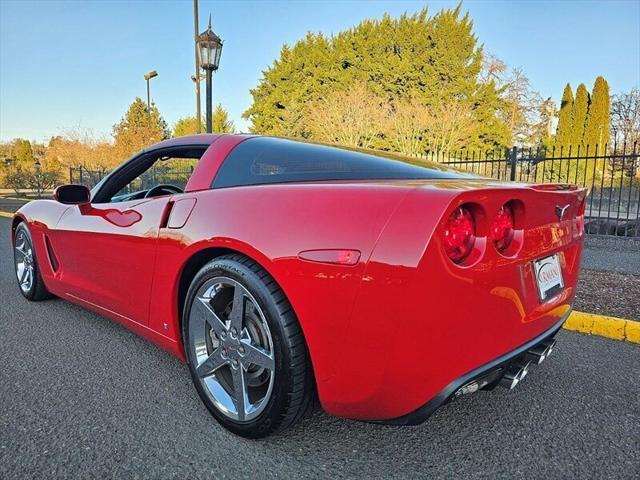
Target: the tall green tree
pixel 564 131
pixel 596 133
pixel 435 60
pixel 580 109
pixel 139 129
pixel 23 152
pixel 220 122
pixel 187 126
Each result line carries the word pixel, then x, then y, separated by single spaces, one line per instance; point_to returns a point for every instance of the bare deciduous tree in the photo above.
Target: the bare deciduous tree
pixel 449 125
pixel 355 117
pixel 406 127
pixel 524 108
pixel 80 147
pixel 352 117
pixel 493 69
pixel 625 129
pixel 625 117
pixel 527 114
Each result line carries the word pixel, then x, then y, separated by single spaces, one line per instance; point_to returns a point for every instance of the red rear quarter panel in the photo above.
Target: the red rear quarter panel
pixel 420 321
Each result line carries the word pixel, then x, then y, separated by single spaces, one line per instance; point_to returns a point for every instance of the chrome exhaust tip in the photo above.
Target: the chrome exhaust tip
pixel 541 352
pixel 515 374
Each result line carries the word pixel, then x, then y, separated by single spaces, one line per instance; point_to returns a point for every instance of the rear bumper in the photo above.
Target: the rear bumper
pixel 493 371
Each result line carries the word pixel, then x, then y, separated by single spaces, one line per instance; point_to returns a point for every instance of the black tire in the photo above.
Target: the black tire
pixel 293 386
pixel 37 290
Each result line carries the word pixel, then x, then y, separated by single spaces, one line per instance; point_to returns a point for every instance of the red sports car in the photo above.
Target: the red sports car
pixel 281 270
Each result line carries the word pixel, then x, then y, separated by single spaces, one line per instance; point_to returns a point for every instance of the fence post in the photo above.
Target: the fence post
pixel 512 160
pixel 70 174
pixel 80 174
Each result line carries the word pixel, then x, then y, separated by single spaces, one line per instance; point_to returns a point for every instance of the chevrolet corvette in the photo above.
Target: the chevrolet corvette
pixel 285 272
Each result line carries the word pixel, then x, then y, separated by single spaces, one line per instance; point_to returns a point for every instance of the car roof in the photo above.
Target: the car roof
pixel 199 139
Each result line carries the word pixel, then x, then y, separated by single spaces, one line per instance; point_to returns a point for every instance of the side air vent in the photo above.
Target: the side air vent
pixel 53 260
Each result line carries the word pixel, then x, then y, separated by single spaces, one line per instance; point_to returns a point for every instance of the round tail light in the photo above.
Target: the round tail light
pixel 502 228
pixel 459 234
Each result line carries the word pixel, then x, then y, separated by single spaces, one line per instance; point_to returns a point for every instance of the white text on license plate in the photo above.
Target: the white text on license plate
pixel 548 276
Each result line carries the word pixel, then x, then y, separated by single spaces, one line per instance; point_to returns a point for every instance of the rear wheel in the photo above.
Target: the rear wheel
pixel 26 265
pixel 245 349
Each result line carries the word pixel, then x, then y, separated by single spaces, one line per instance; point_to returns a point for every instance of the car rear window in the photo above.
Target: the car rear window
pixel 266 160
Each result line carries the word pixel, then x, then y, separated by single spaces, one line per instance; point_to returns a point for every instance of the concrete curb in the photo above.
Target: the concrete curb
pixel 610 327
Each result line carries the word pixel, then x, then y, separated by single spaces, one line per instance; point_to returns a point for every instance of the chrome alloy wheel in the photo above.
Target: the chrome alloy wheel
pixel 24 261
pixel 230 339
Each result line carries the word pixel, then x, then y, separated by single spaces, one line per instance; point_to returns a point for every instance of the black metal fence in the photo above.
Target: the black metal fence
pixel 612 176
pixel 84 176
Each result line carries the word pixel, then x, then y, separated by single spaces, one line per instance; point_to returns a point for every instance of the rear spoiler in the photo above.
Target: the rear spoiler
pixel 554 187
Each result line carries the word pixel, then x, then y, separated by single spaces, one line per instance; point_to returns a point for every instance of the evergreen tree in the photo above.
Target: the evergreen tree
pixel 580 109
pixel 187 126
pixel 220 122
pixel 596 133
pixel 139 129
pixel 23 153
pixel 436 60
pixel 564 134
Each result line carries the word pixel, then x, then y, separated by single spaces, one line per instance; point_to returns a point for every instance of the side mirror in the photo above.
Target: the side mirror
pixel 72 194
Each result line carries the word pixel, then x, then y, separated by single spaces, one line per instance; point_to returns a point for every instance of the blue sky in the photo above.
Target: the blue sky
pixel 68 65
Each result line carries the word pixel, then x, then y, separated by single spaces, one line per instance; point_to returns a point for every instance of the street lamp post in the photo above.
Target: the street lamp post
pixel 210 49
pixel 38 166
pixel 196 77
pixel 148 77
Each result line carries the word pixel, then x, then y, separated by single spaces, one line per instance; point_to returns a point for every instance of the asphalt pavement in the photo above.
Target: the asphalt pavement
pixel 82 397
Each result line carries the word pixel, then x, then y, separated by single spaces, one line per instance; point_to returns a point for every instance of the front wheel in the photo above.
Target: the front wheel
pixel 26 265
pixel 245 348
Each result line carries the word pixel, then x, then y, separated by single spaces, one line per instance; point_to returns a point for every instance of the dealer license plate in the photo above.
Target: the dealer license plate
pixel 548 277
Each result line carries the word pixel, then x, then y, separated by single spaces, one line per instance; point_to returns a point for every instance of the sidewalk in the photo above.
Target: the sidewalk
pixel 10 192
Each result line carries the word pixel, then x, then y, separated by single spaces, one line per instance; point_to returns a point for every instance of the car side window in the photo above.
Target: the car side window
pixel 153 173
pixel 165 171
